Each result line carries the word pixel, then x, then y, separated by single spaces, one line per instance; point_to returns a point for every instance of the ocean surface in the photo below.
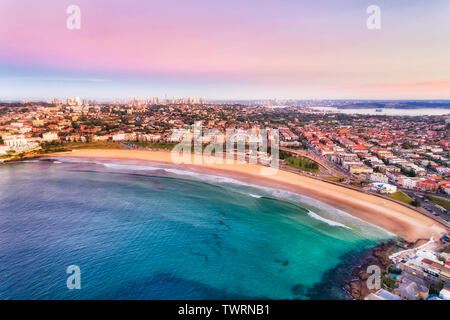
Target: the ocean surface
pixel 151 231
pixel 389 111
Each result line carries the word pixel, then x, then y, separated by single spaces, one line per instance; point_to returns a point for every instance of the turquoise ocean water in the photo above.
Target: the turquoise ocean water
pixel 151 231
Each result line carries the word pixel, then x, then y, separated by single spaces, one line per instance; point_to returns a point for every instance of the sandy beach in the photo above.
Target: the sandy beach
pixel 391 216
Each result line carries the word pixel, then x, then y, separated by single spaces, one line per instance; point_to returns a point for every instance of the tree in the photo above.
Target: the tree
pixel 415 203
pixel 406 145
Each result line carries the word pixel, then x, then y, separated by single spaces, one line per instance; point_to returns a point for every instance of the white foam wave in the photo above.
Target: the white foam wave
pixel 330 211
pixel 129 167
pixel 329 222
pixel 254 195
pixel 206 177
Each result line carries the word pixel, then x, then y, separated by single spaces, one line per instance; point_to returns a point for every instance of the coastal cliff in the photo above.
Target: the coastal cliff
pixel 357 287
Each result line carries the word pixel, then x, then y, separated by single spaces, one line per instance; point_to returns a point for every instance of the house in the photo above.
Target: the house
pixel 378 177
pixel 382 295
pixel 20 143
pixel 447 189
pixel 3 149
pixel 100 138
pixel 408 182
pixel 50 136
pixel 445 292
pixel 359 168
pixel 427 185
pixel 383 187
pixel 119 137
pixel 426 265
pixel 411 290
pixel 15 141
pixel 443 170
pixel 393 169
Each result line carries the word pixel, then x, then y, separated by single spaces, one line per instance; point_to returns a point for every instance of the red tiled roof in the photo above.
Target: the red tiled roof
pixel 427 261
pixel 427 182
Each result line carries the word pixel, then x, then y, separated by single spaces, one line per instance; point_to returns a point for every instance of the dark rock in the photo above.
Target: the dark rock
pixel 299 290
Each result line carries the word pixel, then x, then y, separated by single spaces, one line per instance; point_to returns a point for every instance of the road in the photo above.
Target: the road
pixel 419 196
pixel 332 168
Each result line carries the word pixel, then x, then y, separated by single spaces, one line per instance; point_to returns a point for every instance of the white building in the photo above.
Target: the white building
pixel 383 188
pixel 443 170
pixel 151 137
pixel 25 129
pixel 124 137
pixel 447 189
pixel 445 294
pixel 15 141
pixel 119 137
pixel 379 177
pixel 17 124
pixel 408 182
pixel 180 134
pixel 3 149
pixel 50 136
pixel 19 143
pixel 100 138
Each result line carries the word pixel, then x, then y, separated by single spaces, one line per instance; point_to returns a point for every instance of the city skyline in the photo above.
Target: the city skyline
pixel 264 50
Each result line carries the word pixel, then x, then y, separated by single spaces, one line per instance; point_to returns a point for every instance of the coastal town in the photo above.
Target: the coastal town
pixel 384 153
pixel 407 157
pixel 400 158
pixel 419 273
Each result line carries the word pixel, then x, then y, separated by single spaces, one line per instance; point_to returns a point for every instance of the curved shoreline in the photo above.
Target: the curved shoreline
pixel 391 216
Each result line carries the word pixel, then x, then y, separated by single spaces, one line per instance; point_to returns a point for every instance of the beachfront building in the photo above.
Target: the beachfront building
pixel 180 135
pixel 124 137
pixel 447 189
pixel 359 168
pixel 19 143
pixel 426 265
pixel 408 182
pixel 378 177
pixel 100 138
pixel 15 141
pixel 382 295
pixel 383 188
pixel 412 288
pixel 289 144
pixel 149 137
pixel 445 292
pixel 3 149
pixel 118 137
pixel 50 136
pixel 427 185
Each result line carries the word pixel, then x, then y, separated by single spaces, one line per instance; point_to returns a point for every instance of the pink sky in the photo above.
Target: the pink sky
pixel 232 49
